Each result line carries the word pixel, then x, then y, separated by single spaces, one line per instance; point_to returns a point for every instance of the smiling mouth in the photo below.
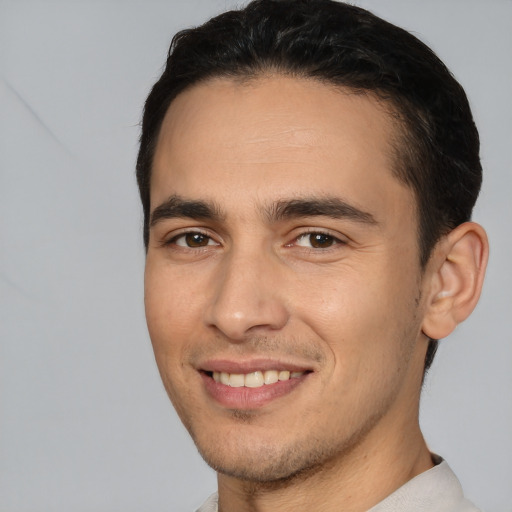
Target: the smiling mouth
pixel 255 379
pixel 252 389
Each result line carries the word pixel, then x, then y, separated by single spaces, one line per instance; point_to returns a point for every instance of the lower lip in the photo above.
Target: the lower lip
pixel 249 398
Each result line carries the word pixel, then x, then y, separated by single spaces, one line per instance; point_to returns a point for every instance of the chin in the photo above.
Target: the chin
pixel 263 461
pixel 265 468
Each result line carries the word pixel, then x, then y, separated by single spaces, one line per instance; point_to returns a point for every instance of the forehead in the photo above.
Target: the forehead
pixel 276 136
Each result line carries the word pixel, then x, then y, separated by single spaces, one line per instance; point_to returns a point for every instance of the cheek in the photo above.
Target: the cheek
pixel 364 318
pixel 169 306
pixel 169 319
pixel 344 302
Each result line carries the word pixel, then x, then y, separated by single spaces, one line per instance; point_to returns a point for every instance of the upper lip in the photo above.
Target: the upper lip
pixel 251 365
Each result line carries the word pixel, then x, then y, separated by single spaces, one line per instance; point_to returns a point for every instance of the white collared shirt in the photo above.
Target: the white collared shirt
pixel 435 490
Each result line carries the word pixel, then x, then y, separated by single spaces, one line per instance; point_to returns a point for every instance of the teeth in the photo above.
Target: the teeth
pixel 271 377
pixel 254 379
pixel 284 375
pixel 237 380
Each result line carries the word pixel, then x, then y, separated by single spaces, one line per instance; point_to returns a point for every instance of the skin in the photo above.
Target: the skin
pixel 351 311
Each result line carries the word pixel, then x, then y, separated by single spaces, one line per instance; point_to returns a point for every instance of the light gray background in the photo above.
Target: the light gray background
pixel 84 422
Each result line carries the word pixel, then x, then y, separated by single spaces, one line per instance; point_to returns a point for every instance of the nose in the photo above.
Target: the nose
pixel 247 297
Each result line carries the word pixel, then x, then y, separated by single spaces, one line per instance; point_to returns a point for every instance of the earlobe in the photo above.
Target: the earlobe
pixel 459 263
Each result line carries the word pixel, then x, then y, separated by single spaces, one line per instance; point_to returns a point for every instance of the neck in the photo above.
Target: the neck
pixel 352 482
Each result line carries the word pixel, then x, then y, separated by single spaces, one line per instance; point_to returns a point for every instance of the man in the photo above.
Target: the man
pixel 307 173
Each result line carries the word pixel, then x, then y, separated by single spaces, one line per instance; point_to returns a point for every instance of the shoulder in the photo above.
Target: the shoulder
pixel 435 490
pixel 210 505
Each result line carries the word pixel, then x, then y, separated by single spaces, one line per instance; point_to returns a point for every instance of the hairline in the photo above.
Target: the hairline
pixel 398 139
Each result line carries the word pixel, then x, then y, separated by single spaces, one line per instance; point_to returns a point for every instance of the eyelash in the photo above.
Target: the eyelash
pixel 319 233
pixel 173 240
pixel 334 241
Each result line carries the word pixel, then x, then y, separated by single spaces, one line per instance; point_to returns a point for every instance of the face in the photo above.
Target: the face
pixel 282 285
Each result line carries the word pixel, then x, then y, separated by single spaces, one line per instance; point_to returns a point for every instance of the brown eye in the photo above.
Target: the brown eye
pixel 317 240
pixel 320 241
pixel 193 240
pixel 196 240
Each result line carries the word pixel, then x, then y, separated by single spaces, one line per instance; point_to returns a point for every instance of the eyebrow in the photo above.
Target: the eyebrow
pixel 332 207
pixel 178 207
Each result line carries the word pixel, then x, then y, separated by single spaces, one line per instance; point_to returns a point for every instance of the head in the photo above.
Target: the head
pixel 437 143
pixel 303 57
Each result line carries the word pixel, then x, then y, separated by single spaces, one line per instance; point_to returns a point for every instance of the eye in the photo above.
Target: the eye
pixel 193 240
pixel 317 240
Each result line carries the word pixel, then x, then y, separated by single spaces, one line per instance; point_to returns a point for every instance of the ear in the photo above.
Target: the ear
pixel 456 272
